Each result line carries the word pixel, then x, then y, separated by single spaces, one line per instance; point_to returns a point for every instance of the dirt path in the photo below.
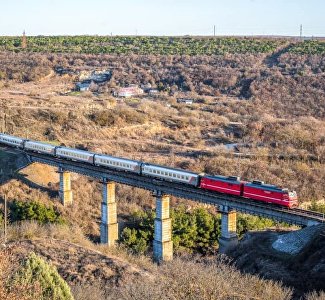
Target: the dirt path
pixel 273 59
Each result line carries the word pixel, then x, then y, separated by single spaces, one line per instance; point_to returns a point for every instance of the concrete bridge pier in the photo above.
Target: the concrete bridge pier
pixel 109 225
pixel 162 244
pixel 65 191
pixel 228 236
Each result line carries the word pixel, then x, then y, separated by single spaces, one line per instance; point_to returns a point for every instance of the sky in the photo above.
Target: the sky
pixel 162 17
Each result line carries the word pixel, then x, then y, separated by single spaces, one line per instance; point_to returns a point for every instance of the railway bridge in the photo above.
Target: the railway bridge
pixel 227 205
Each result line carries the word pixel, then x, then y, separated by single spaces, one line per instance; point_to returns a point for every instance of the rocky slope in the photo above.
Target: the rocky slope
pixel 304 271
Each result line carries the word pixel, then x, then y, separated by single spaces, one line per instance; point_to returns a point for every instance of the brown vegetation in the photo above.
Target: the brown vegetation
pixel 94 272
pixel 274 115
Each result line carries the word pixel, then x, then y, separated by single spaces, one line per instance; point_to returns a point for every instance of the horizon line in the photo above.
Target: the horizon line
pixel 178 36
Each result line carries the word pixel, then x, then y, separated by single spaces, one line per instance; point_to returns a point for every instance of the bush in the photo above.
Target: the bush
pixel 116 115
pixel 197 230
pixel 138 238
pixel 247 222
pixel 192 231
pixel 36 270
pixel 317 207
pixel 36 211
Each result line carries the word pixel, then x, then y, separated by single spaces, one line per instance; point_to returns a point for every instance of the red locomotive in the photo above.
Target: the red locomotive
pixel 256 190
pixel 222 184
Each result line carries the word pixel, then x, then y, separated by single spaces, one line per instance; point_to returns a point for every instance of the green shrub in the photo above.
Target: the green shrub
pixel 317 207
pixel 34 210
pixel 192 231
pixel 197 230
pixel 138 238
pixel 36 270
pixel 248 222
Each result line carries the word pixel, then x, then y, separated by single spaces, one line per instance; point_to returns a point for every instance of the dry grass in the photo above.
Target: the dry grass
pixel 188 279
pixel 316 296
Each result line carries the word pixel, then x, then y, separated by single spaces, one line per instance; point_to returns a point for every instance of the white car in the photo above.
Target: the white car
pixel 74 154
pixel 40 147
pixel 170 174
pixel 118 163
pixel 11 140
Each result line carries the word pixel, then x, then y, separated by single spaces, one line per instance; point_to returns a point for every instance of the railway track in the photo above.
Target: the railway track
pixel 316 214
pixel 293 216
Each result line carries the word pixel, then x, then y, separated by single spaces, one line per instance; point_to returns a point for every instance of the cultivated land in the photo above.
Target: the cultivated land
pixel 265 96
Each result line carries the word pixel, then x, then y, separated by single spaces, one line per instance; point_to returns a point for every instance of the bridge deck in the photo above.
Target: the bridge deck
pixel 282 214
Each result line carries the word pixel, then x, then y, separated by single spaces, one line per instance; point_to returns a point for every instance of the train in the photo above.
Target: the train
pixel 230 185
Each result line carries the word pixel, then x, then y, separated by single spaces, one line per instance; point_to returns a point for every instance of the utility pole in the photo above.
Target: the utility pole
pixel 24 41
pixel 214 30
pixel 5 224
pixel 300 31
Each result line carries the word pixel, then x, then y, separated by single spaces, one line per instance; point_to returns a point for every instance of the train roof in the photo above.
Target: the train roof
pixel 75 150
pixel 11 136
pixel 172 169
pixel 40 143
pixel 233 179
pixel 263 186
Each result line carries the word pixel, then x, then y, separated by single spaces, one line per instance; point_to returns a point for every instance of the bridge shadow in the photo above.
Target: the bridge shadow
pixel 22 178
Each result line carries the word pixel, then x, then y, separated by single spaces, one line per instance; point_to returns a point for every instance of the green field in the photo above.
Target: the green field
pixel 142 45
pixel 309 47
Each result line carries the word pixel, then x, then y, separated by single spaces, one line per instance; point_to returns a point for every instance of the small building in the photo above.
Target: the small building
pixel 185 100
pixel 153 92
pixel 127 92
pixel 146 87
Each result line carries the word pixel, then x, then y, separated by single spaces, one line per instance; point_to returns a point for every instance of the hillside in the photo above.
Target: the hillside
pixel 258 112
pixel 94 273
pixel 304 271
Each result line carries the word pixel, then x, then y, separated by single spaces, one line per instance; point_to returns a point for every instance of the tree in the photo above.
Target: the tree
pixel 36 270
pixel 34 210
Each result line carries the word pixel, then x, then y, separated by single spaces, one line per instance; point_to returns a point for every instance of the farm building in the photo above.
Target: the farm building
pixel 185 100
pixel 153 92
pixel 127 92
